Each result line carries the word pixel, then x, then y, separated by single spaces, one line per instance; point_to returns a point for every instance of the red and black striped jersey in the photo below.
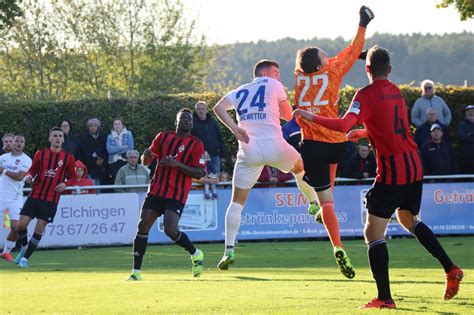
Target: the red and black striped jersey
pixel 170 182
pixel 381 107
pixel 49 169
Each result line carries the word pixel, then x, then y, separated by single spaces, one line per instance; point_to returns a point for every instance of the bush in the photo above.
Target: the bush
pixel 146 117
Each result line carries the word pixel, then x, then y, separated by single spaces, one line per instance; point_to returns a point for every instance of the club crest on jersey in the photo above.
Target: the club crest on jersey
pixel 60 163
pixel 17 162
pixel 181 148
pixel 202 160
pixel 355 108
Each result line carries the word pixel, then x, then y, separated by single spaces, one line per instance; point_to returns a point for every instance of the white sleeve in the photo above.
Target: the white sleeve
pixel 25 165
pixel 231 97
pixel 281 92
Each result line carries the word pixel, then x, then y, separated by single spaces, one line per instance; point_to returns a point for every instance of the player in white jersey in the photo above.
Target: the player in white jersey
pixel 259 106
pixel 13 167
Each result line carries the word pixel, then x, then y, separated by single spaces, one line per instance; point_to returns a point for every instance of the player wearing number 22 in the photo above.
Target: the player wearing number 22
pixel 48 173
pixel 180 158
pixel 380 106
pixel 259 105
pixel 317 81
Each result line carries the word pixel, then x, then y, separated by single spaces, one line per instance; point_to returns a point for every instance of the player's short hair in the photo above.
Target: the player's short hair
pixel 8 135
pixel 262 65
pixel 307 60
pixel 379 61
pixel 184 110
pixel 56 128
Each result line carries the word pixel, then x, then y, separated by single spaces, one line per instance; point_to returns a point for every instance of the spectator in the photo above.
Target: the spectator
pixel 437 154
pixel 362 164
pixel 7 141
pixel 119 142
pixel 292 133
pixel 273 176
pixel 81 180
pixel 429 99
pixel 71 142
pixel 423 133
pixel 206 129
pixel 93 152
pixel 132 173
pixel 465 135
pixel 209 181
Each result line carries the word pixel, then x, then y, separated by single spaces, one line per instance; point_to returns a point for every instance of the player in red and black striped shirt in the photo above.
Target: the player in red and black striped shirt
pixel 180 158
pixel 48 173
pixel 398 185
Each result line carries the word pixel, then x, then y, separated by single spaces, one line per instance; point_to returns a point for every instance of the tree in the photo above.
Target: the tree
pixel 9 10
pixel 69 49
pixel 465 7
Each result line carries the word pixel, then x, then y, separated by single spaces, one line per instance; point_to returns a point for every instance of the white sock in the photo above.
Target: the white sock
pixel 136 270
pixel 197 252
pixel 8 247
pixel 305 188
pixel 232 223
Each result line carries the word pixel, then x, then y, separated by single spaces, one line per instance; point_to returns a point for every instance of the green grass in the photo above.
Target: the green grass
pixel 277 277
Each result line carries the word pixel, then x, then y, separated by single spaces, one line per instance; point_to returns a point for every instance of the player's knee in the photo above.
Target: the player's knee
pixel 171 232
pixel 405 219
pixel 142 227
pixel 298 167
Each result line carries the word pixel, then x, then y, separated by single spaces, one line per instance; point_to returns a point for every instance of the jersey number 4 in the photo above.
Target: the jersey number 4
pixel 398 126
pixel 307 83
pixel 258 100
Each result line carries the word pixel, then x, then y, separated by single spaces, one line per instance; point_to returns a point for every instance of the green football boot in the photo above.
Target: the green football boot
pixel 198 262
pixel 344 262
pixel 135 276
pixel 227 260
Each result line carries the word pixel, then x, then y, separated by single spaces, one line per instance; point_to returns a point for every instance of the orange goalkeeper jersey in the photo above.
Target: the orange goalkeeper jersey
pixel 318 92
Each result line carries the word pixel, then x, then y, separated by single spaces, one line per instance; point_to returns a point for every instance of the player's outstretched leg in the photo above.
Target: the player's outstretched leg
pixel 232 224
pixel 453 279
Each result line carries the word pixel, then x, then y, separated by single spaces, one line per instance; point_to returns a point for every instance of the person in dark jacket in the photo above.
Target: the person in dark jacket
pixel 206 129
pixel 437 154
pixel 71 142
pixel 465 136
pixel 93 152
pixel 423 132
pixel 362 164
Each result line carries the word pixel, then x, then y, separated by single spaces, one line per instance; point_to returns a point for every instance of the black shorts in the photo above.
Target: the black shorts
pixel 382 200
pixel 41 209
pixel 316 157
pixel 161 204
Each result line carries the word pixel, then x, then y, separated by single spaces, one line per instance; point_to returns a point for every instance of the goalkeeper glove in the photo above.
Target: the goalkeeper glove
pixel 363 55
pixel 366 15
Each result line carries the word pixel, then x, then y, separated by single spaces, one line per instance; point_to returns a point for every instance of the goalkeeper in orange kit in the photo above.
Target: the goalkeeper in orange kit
pixel 317 82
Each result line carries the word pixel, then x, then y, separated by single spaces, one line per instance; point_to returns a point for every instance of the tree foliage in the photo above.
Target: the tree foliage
pixel 465 7
pixel 70 49
pixel 9 11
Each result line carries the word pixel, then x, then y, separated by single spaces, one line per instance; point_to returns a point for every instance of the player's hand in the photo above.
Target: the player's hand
pixel 303 114
pixel 169 161
pixel 356 134
pixel 241 135
pixel 148 153
pixel 366 15
pixel 28 179
pixel 363 55
pixel 60 187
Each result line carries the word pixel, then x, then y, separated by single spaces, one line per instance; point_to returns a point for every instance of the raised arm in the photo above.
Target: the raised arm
pixel 221 110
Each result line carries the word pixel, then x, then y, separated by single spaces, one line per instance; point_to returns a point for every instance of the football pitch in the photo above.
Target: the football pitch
pixel 271 277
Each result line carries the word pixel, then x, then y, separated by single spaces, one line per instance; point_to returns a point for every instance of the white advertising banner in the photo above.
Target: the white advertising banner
pixel 88 220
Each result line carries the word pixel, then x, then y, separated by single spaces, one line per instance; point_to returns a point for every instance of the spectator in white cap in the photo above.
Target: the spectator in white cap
pixel 437 154
pixel 465 136
pixel 429 99
pixel 93 152
pixel 423 132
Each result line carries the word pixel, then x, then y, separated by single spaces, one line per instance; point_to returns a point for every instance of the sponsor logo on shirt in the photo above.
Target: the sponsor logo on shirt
pixel 355 108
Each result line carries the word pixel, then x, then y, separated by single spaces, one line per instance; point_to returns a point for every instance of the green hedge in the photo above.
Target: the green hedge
pixel 146 117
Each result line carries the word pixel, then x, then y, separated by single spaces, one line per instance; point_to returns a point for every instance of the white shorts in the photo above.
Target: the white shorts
pixel 13 206
pixel 252 157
